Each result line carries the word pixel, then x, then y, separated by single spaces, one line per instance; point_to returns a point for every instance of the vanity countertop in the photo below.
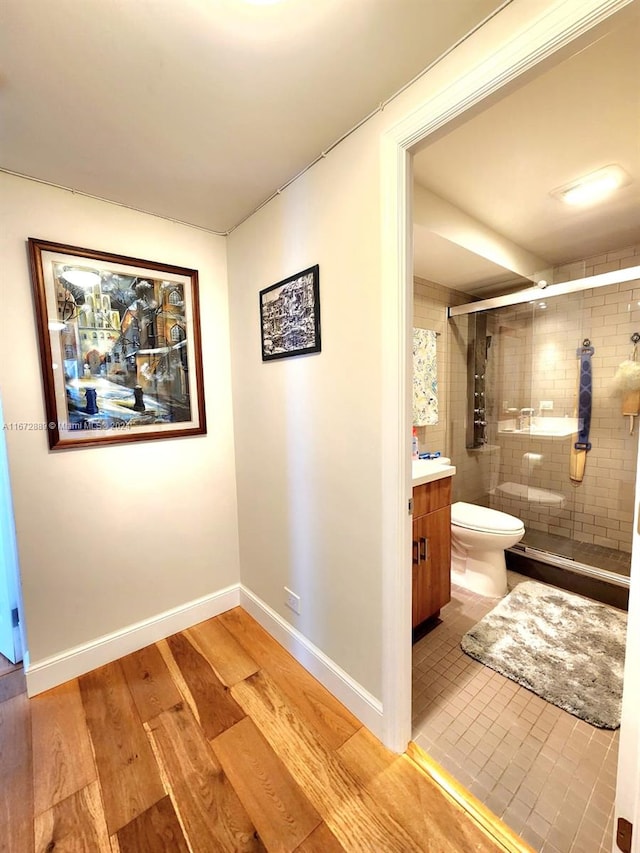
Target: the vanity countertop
pixel 428 470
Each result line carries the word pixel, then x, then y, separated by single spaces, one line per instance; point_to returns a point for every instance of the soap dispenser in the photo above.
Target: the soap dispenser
pixel 414 444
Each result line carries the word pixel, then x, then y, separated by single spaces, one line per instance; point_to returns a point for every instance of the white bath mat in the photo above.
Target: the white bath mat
pixel 567 649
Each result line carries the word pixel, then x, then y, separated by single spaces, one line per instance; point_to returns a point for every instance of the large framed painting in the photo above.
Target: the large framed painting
pixel 290 316
pixel 119 346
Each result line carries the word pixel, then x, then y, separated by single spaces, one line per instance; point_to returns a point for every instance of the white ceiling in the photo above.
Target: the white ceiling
pixel 501 165
pixel 198 110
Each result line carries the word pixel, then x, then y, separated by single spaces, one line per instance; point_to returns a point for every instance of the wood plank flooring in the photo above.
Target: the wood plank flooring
pixel 11 679
pixel 16 776
pixel 212 740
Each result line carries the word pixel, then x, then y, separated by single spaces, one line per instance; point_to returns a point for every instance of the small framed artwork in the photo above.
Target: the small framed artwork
pixel 119 347
pixel 290 316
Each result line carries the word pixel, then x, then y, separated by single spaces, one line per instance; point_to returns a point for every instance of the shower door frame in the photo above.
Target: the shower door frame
pixel 536 292
pixel 536 37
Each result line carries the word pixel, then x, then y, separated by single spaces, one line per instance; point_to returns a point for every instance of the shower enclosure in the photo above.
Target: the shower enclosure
pixel 515 415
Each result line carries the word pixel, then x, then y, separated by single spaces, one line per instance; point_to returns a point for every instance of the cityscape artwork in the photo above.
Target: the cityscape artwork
pixel 119 345
pixel 290 316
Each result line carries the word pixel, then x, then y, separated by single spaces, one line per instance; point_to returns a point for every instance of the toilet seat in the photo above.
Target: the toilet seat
pixel 484 520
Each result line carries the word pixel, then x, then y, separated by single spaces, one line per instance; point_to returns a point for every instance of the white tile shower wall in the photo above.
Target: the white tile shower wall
pixel 535 358
pixel 430 303
pixel 596 264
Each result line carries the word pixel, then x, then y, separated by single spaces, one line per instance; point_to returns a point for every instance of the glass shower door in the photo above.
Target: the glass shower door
pixel 515 419
pixel 513 415
pixel 529 406
pixel 557 334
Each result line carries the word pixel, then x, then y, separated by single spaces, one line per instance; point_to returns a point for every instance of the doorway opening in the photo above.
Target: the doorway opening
pixel 509 405
pixel 550 775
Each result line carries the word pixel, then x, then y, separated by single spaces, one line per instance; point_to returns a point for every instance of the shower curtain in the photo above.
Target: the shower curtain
pixel 425 378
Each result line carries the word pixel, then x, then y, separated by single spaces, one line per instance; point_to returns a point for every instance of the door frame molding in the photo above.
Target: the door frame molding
pixel 11 593
pixel 552 28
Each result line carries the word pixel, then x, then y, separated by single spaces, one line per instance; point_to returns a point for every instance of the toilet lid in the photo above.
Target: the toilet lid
pixel 483 519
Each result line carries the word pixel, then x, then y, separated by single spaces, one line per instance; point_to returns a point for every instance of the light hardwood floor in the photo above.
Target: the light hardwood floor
pixel 215 739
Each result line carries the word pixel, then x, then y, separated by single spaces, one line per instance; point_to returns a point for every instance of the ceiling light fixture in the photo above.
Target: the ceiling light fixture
pixel 593 187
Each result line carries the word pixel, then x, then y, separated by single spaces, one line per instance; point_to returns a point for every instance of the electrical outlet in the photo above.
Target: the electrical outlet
pixel 292 600
pixel 546 405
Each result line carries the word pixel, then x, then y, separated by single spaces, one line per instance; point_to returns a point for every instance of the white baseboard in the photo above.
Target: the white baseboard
pixel 54 670
pixel 49 672
pixel 359 701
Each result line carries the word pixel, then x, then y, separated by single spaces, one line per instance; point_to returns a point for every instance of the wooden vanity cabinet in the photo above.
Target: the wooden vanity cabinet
pixel 431 549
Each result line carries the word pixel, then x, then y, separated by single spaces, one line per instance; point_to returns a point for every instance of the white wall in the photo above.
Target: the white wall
pixel 308 430
pixel 111 536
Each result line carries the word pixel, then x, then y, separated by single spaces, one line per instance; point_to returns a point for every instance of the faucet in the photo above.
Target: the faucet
pixel 525 418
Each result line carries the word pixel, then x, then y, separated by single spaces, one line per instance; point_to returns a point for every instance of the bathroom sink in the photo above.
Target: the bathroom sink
pixel 427 470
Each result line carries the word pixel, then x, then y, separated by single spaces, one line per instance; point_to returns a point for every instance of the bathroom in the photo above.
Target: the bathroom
pixel 569 550
pixel 513 369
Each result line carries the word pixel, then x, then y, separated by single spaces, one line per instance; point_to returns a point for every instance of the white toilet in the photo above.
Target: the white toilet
pixel 479 537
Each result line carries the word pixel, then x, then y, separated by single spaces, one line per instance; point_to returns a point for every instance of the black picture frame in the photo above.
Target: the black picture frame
pixel 290 316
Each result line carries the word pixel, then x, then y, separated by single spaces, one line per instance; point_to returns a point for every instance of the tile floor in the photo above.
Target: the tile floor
pixel 550 776
pixel 582 552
